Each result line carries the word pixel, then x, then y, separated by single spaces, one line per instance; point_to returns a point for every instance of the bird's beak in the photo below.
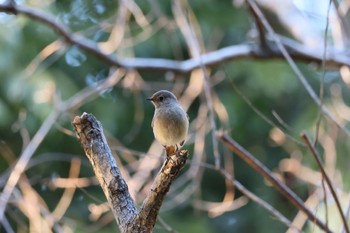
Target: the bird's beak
pixel 149 98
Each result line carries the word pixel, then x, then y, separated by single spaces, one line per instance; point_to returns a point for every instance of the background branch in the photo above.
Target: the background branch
pixel 267 174
pixel 106 57
pixel 279 216
pixel 33 145
pixel 234 52
pixel 326 177
pixel 295 68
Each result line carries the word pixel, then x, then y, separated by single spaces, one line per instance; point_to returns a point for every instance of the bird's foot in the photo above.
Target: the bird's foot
pixel 170 150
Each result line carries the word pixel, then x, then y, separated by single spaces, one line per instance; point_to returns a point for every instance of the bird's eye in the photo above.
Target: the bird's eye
pixel 161 98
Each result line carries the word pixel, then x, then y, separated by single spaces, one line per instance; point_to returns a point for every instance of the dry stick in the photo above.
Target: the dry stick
pixel 297 50
pixel 261 29
pixel 7 226
pixel 90 133
pixel 30 149
pixel 267 174
pixel 192 41
pixel 166 226
pixel 319 117
pixel 262 116
pixel 280 217
pixel 326 177
pixel 344 23
pixel 325 199
pixel 347 213
pixel 68 193
pixel 294 67
pixel 24 159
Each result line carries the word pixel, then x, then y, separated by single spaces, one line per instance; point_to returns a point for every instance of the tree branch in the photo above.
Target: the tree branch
pixel 327 179
pixel 279 216
pixel 90 134
pixel 23 161
pixel 30 149
pixel 267 174
pixel 234 52
pixel 170 170
pixel 294 66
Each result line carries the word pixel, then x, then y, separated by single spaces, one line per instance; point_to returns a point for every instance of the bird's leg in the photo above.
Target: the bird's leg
pixel 170 150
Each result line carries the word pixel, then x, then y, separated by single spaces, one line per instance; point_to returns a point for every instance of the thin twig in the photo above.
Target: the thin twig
pixel 325 199
pixel 344 22
pixel 187 28
pixel 282 122
pixel 28 152
pixel 326 177
pixel 347 213
pixel 7 226
pixel 260 114
pixel 267 174
pixel 67 196
pixel 294 67
pixel 280 217
pixel 319 117
pixel 24 159
pixel 260 27
pixel 166 226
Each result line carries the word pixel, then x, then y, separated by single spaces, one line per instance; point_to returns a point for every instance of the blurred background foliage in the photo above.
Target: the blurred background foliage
pixel 38 71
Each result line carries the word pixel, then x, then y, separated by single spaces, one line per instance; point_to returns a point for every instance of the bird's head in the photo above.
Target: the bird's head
pixel 162 98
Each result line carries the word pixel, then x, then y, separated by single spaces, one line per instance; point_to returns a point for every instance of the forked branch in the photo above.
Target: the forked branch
pixel 129 218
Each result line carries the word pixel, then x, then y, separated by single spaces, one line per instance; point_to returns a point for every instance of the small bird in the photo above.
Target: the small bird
pixel 170 121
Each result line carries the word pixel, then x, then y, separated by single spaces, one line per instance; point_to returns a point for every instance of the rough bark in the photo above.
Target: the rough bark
pixel 129 218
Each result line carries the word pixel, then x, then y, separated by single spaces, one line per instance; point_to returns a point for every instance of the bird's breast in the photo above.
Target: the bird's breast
pixel 170 125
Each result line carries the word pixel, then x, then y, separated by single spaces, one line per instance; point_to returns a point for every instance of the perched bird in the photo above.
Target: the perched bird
pixel 170 121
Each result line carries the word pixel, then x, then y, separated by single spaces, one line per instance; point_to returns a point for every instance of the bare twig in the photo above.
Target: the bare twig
pixel 260 28
pixel 30 149
pixel 325 199
pixel 260 114
pixel 234 52
pixel 319 117
pixel 294 67
pixel 347 213
pixel 193 44
pixel 166 226
pixel 326 177
pixel 24 159
pixel 300 218
pixel 7 225
pixel 267 174
pixel 344 23
pixel 68 193
pixel 279 216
